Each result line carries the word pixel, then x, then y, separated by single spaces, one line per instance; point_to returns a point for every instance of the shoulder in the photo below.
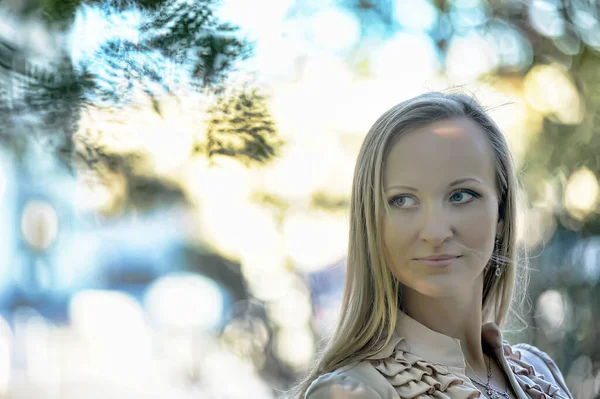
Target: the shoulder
pixel 356 381
pixel 543 365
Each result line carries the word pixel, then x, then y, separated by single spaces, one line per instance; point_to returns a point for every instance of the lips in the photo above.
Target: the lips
pixel 438 262
pixel 439 257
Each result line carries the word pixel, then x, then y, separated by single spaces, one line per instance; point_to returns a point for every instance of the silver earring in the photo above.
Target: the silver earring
pixel 498 271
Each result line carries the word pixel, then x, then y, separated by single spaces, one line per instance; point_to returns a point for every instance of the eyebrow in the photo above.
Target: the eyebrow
pixel 454 183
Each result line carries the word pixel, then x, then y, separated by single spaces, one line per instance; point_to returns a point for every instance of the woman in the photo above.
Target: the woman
pixel 431 265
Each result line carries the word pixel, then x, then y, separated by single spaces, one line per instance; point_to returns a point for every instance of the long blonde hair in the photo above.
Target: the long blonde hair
pixel 371 293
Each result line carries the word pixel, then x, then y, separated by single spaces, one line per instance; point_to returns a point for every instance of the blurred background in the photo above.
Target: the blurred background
pixel 174 179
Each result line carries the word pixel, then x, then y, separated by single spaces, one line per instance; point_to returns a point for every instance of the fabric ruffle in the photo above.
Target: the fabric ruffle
pixel 413 377
pixel 533 384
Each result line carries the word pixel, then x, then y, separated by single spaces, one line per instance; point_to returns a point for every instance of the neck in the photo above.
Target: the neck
pixel 457 317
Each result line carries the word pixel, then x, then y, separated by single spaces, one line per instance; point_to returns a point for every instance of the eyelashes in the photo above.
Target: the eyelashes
pixel 395 201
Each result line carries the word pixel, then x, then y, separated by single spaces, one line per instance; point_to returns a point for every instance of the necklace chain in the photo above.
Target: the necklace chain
pixel 493 393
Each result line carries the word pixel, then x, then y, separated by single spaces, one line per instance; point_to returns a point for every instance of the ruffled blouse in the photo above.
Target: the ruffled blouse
pixel 534 384
pixel 422 363
pixel 413 377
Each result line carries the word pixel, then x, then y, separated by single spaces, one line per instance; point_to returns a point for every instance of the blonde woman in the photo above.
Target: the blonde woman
pixel 431 265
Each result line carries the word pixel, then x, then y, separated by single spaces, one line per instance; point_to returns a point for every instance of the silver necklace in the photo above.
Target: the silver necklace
pixel 493 393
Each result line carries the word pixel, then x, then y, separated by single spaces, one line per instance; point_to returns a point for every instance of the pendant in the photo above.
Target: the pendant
pixel 492 394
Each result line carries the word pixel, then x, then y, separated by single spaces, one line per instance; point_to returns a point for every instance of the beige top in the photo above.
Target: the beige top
pixel 421 363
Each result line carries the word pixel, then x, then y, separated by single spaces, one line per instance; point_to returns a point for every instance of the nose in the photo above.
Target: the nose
pixel 436 227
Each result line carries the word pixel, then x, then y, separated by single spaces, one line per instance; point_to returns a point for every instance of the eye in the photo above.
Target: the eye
pixel 459 196
pixel 400 201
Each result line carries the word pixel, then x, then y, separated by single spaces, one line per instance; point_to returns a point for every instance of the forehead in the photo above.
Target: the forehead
pixel 440 152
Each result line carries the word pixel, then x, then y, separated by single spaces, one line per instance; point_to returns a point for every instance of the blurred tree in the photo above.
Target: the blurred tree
pixel 175 35
pixel 241 127
pixel 190 31
pixel 37 91
pixel 61 12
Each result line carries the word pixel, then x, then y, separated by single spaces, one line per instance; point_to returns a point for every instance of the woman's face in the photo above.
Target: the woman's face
pixel 439 181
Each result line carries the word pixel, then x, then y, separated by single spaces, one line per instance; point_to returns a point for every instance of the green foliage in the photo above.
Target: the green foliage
pixel 60 11
pixel 327 202
pixel 63 11
pixel 182 35
pixel 241 126
pixel 184 31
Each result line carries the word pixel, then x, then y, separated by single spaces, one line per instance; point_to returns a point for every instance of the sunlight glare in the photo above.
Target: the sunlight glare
pixel 6 356
pixel 316 239
pixel 469 57
pixel 39 224
pixel 185 301
pixel 416 14
pixel 546 18
pixel 334 29
pixel 581 193
pixel 409 60
pixel 550 90
pixel 114 327
pixel 296 347
pixel 293 310
pixel 554 313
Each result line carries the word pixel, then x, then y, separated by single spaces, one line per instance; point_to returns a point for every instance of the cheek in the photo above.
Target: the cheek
pixel 479 230
pixel 388 236
pixel 395 239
